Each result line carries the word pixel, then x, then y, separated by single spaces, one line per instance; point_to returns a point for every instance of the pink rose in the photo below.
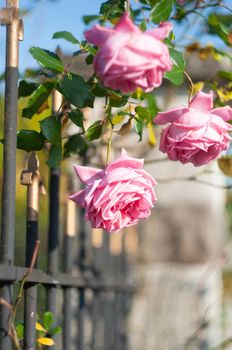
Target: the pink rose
pixel 129 58
pixel 197 133
pixel 118 196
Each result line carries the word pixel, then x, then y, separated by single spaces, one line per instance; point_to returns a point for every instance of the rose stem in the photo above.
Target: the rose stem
pixel 191 85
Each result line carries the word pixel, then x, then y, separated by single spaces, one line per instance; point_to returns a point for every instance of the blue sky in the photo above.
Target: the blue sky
pixel 48 17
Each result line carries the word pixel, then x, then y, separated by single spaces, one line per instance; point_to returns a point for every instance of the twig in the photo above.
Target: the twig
pixel 157 160
pixel 223 345
pixel 13 308
pixel 197 7
pixel 5 303
pixel 192 178
pixel 225 7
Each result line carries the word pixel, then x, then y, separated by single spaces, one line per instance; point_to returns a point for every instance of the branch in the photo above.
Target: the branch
pixel 13 308
pixel 193 178
pixel 223 345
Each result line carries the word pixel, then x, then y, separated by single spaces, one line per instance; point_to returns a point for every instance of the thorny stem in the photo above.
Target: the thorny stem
pixel 191 85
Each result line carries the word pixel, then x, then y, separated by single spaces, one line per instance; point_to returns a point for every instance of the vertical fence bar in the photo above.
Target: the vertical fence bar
pixel 97 242
pixel 9 161
pixel 30 178
pixel 82 265
pixel 70 232
pixel 53 231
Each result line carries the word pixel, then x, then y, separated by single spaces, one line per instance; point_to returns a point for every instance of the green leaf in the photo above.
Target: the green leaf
pixel 32 73
pixel 139 127
pixel 90 18
pixel 26 88
pixel 37 99
pixel 76 91
pixel 55 330
pixel 20 330
pixel 99 91
pixel 112 5
pixel 117 100
pixel 152 105
pixel 30 140
pixel 55 157
pixel 143 26
pixel 176 76
pixel 77 118
pixel 89 59
pixel 225 74
pixel 94 131
pixel 177 58
pixel 75 145
pixel 48 319
pixel 117 119
pixel 66 36
pixel 143 113
pixel 219 24
pixel 87 47
pixel 161 11
pixel 152 3
pixel 51 128
pixel 47 59
pixel 2 76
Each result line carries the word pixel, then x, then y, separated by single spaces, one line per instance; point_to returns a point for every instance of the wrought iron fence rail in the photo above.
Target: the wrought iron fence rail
pixel 14 274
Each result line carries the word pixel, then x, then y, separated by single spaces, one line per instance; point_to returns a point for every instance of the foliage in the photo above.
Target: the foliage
pixel 45 330
pixel 49 130
pixel 79 93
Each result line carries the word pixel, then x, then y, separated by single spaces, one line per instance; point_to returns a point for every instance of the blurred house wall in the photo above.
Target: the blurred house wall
pixel 179 303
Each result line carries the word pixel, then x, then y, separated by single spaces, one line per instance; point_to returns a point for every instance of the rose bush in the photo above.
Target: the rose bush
pixel 118 196
pixel 129 58
pixel 197 133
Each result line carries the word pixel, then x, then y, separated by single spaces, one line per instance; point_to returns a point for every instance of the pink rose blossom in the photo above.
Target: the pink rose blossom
pixel 197 133
pixel 118 196
pixel 129 58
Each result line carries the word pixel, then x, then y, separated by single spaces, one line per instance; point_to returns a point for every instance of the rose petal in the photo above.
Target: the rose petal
pixel 170 116
pixel 98 35
pixel 88 174
pixel 160 32
pixel 125 24
pixel 223 112
pixel 202 102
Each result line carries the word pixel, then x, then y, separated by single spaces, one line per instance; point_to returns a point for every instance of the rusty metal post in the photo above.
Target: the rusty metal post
pixel 31 179
pixel 10 17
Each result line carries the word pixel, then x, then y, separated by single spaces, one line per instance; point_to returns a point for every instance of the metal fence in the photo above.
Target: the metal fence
pixel 95 292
